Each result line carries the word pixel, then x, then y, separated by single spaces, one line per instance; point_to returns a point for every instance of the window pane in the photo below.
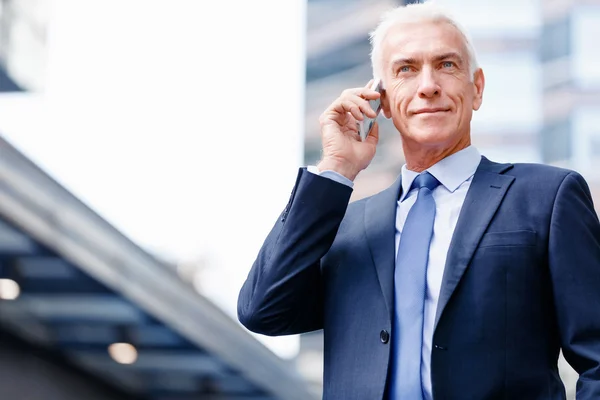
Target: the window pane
pixel 510 18
pixel 511 98
pixel 584 41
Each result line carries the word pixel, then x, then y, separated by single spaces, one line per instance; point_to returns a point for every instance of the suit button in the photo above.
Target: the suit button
pixel 384 336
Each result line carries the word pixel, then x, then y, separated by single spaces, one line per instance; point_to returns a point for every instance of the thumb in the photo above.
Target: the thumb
pixel 373 137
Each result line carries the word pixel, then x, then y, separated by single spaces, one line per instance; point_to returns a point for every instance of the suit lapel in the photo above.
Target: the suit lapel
pixel 380 226
pixel 481 203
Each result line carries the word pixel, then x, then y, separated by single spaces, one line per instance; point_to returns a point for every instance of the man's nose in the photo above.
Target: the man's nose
pixel 428 84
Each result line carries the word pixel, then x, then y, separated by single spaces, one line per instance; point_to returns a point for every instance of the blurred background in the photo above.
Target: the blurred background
pixel 146 149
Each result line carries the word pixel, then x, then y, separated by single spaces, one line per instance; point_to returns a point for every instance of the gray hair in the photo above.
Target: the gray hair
pixel 419 12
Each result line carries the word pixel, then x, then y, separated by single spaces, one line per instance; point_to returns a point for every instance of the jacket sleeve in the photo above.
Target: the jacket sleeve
pixel 283 293
pixel 574 260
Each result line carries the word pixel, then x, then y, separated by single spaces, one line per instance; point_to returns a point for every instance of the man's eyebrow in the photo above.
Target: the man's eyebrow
pixel 444 56
pixel 403 61
pixel 448 55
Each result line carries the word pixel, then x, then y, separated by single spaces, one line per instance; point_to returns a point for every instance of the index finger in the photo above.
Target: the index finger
pixel 366 92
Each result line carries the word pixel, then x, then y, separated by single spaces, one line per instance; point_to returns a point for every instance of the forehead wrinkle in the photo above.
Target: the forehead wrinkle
pixel 407 47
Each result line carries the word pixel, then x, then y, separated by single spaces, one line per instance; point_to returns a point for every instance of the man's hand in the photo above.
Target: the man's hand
pixel 343 151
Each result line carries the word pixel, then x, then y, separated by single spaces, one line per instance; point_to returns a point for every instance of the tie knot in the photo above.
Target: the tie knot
pixel 425 179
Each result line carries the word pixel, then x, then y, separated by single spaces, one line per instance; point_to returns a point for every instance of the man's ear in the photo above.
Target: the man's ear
pixel 385 104
pixel 478 86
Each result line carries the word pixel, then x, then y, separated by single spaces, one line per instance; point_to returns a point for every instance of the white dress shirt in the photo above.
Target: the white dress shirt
pixel 454 173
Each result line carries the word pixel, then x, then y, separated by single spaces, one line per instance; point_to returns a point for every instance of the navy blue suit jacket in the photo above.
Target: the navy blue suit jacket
pixel 522 281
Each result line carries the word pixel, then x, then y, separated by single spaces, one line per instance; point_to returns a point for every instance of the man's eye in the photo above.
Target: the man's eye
pixel 448 64
pixel 405 68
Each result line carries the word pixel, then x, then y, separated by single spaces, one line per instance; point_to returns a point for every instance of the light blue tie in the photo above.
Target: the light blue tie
pixel 409 293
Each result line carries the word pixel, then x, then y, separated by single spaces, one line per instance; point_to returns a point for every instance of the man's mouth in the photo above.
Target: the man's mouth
pixel 432 110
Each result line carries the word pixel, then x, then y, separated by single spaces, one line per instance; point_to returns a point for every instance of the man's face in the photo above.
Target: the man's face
pixel 428 91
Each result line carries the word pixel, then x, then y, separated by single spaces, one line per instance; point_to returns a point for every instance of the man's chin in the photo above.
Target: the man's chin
pixel 430 136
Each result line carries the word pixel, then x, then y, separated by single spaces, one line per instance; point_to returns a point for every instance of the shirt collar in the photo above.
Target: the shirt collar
pixel 451 171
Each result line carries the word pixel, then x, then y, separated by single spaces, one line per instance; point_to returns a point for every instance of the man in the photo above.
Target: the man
pixel 465 278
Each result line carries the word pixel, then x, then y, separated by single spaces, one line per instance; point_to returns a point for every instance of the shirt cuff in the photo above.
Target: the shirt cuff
pixel 334 176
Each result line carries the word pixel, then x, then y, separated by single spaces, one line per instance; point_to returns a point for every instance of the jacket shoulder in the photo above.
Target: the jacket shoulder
pixel 541 169
pixel 546 175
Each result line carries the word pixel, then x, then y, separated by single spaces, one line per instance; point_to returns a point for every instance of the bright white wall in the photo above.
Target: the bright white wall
pixel 180 122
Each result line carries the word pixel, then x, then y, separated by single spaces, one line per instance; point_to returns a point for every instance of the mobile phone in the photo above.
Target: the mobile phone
pixel 365 126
